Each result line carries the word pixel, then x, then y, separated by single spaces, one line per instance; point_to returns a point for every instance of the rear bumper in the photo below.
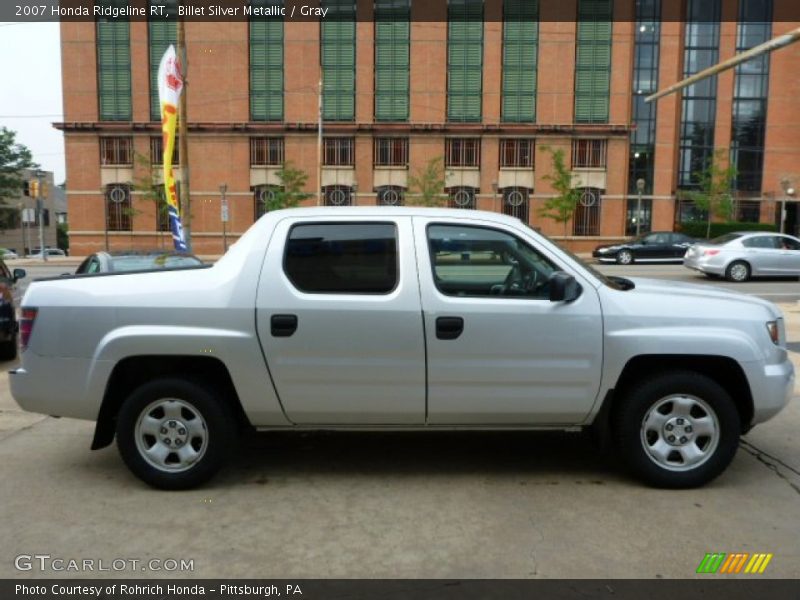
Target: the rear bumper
pixel 703 266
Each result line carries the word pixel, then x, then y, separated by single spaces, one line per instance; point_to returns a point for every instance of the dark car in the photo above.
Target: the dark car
pixel 9 299
pixel 120 262
pixel 656 246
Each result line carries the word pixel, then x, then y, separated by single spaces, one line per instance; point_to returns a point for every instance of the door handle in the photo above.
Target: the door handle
pixel 283 325
pixel 449 328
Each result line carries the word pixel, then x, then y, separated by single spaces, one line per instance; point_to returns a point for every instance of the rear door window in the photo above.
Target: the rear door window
pixel 342 258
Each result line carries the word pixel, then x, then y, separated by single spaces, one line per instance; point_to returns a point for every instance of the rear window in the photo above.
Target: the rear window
pixel 724 239
pixel 342 258
pixel 143 263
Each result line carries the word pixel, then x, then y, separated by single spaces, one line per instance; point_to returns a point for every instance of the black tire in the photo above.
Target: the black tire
pixel 732 273
pixel 633 439
pixel 217 427
pixel 8 350
pixel 624 257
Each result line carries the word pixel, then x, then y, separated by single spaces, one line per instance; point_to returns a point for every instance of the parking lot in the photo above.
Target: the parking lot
pixel 493 505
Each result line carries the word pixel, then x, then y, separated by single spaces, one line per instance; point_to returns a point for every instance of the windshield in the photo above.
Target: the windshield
pixel 724 239
pixel 160 261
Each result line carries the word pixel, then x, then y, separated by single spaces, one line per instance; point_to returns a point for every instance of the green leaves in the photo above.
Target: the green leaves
pixel 560 207
pixel 14 158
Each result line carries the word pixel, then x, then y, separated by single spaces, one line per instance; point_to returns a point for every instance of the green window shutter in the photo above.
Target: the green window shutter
pixel 520 60
pixel 464 60
pixel 338 56
pixel 266 65
pixel 114 70
pixel 593 61
pixel 162 32
pixel 392 63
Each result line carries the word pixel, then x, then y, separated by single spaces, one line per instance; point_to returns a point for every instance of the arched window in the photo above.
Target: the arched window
pixel 515 203
pixel 462 197
pixel 390 195
pixel 264 200
pixel 586 220
pixel 118 207
pixel 338 195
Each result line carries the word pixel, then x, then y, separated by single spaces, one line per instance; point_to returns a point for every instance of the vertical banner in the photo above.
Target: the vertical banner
pixel 170 84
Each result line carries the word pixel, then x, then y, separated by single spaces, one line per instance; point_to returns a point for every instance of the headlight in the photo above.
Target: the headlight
pixel 774 332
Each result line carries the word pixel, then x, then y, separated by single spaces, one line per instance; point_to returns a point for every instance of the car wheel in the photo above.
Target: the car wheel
pixel 8 350
pixel 175 433
pixel 677 430
pixel 624 257
pixel 738 271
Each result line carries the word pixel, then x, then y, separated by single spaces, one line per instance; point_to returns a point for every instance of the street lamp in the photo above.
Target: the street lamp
pixel 40 212
pixel 495 187
pixel 640 183
pixel 223 189
pixel 788 191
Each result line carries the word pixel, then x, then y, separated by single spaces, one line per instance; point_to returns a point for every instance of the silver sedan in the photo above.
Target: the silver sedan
pixel 740 256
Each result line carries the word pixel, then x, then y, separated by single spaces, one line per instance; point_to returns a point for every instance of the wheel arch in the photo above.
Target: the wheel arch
pixel 132 371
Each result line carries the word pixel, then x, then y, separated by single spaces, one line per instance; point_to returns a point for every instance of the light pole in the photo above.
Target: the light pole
pixel 40 212
pixel 494 197
pixel 788 191
pixel 640 183
pixel 223 189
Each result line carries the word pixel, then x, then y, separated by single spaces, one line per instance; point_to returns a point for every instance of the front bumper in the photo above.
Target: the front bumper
pixel 772 388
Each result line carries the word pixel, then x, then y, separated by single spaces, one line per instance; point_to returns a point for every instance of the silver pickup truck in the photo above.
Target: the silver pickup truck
pixel 400 318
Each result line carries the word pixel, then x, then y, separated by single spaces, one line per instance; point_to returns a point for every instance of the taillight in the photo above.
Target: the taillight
pixel 26 326
pixel 711 252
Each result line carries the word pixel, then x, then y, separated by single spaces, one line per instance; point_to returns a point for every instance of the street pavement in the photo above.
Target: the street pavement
pixel 493 505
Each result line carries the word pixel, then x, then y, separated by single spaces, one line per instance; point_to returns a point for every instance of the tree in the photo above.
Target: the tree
pixel 427 183
pixel 715 186
pixel 13 159
pixel 291 191
pixel 560 207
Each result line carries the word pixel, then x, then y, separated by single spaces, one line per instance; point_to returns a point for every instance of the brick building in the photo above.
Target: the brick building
pixel 486 86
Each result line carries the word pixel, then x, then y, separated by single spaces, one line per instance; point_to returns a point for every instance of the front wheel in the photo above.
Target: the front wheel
pixel 624 257
pixel 175 433
pixel 677 430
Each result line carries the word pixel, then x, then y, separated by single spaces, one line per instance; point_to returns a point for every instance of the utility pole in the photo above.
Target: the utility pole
pixel 319 142
pixel 183 140
pixel 224 215
pixel 639 188
pixel 40 212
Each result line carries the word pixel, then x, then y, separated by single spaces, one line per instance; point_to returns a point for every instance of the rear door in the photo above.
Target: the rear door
pixel 339 320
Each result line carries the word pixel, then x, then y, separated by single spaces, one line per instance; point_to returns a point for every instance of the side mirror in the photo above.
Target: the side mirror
pixel 19 274
pixel 563 287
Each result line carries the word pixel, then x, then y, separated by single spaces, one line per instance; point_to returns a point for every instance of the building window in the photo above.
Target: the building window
pixel 390 195
pixel 464 60
pixel 392 62
pixel 339 152
pixel 647 48
pixel 263 198
pixel 342 258
pixel 586 219
pixel 162 208
pixel 748 211
pixel 462 197
pixel 113 66
pixel 516 204
pixel 751 86
pixel 338 59
pixel 635 216
pixel 157 151
pixel 338 195
pixel 699 105
pixel 593 61
pixel 588 154
pixel 462 152
pixel 118 207
pixel 520 56
pixel 266 64
pixel 390 152
pixel 116 151
pixel 686 211
pixel 266 151
pixel 162 32
pixel 517 153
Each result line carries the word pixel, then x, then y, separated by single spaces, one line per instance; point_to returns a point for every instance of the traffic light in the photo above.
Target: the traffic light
pixel 43 190
pixel 26 188
pixel 34 188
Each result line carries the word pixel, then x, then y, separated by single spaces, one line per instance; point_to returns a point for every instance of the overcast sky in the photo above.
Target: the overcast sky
pixel 30 90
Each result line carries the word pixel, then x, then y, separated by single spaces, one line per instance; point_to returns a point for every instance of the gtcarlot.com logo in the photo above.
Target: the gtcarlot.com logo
pixel 734 563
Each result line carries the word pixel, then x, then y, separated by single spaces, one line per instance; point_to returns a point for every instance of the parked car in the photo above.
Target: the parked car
pixel 9 300
pixel 656 246
pixel 7 254
pixel 117 262
pixel 37 253
pixel 742 255
pixel 400 318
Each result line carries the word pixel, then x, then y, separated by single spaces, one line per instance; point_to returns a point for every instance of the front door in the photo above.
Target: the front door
pixel 499 351
pixel 339 320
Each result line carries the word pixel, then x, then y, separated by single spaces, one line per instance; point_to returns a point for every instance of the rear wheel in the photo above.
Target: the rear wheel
pixel 175 433
pixel 738 271
pixel 8 350
pixel 624 257
pixel 677 430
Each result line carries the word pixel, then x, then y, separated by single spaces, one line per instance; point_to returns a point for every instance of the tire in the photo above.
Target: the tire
pixel 676 430
pixel 738 271
pixel 624 257
pixel 188 427
pixel 8 350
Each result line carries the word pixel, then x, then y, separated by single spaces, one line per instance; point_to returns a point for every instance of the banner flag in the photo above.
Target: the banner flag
pixel 170 85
